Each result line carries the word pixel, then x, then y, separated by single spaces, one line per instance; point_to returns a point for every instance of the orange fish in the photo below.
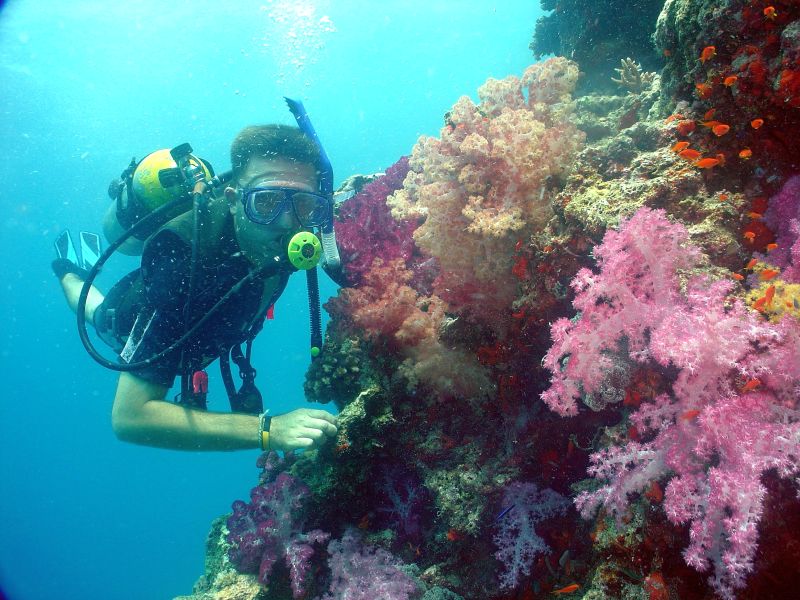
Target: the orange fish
pixel 767 274
pixel 567 590
pixel 723 197
pixel 770 294
pixel 689 154
pixel 710 124
pixel 667 52
pixel 754 215
pixel 751 385
pixel 749 235
pixel 753 262
pixel 721 158
pixel 680 146
pixel 708 53
pixel 759 304
pixel 771 247
pixel 453 535
pixel 770 13
pixel 721 129
pixel 690 414
pixel 703 90
pixel 738 276
pixel 655 492
pixel 756 123
pixel 674 117
pixel 709 114
pixel 686 127
pixel 745 153
pixel 729 80
pixel 707 163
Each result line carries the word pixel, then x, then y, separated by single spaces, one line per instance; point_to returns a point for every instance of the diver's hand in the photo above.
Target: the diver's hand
pixel 302 428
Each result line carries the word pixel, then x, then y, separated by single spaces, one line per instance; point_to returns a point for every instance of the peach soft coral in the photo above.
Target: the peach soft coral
pixel 483 185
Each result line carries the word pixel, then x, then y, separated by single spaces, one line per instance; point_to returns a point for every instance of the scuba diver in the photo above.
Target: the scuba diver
pixel 217 252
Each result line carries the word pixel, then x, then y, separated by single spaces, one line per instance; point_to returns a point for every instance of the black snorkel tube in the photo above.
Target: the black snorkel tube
pixel 332 262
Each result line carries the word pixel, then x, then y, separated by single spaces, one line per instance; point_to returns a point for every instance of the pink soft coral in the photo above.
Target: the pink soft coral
pixel 483 185
pixel 712 440
pixel 783 217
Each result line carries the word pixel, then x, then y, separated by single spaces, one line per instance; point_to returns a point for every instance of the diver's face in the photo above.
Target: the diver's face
pixel 257 241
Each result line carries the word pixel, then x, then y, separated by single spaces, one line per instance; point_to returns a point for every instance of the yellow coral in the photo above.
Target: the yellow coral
pixel 785 301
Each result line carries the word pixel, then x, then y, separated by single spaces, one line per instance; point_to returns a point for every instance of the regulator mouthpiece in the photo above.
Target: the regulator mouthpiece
pixel 304 250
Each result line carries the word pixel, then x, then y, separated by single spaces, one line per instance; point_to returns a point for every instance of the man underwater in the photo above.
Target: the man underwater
pixel 232 274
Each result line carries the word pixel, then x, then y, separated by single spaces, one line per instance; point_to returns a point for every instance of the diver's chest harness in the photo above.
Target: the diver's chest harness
pixel 144 211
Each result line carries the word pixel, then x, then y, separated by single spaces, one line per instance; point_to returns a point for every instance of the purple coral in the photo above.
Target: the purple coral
pixel 366 230
pixel 783 217
pixel 268 529
pixel 516 537
pixel 362 572
pixel 712 439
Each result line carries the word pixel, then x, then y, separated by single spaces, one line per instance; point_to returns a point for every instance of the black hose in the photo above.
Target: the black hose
pixel 314 311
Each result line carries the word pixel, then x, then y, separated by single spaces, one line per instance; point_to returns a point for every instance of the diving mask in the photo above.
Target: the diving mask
pixel 263 205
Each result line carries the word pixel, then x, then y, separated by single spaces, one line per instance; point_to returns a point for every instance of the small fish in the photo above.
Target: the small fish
pixel 667 52
pixel 751 384
pixel 756 123
pixel 770 13
pixel 453 535
pixel 745 153
pixel 709 114
pixel 759 304
pixel 753 262
pixel 754 215
pixel 771 247
pixel 503 513
pixel 721 158
pixel 710 124
pixel 767 274
pixel 568 589
pixel 690 414
pixel 654 493
pixel 730 80
pixel 721 129
pixel 674 117
pixel 709 52
pixel 679 146
pixel 769 295
pixel 686 126
pixel 707 163
pixel 703 90
pixel 749 235
pixel 689 154
pixel 738 276
pixel 723 197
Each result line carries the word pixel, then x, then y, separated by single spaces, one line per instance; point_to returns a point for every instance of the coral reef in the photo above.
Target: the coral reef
pixel 589 295
pixel 597 34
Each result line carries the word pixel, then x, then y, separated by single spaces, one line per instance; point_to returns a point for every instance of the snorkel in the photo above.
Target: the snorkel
pixel 330 251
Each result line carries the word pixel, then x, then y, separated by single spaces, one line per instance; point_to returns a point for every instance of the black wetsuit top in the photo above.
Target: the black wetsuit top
pixel 166 268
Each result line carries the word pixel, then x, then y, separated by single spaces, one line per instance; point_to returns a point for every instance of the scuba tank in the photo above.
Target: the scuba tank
pixel 143 187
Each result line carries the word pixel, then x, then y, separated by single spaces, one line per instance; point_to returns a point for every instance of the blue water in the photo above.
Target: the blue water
pixel 86 85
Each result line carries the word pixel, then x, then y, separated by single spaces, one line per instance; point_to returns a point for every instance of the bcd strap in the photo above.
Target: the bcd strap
pixel 248 399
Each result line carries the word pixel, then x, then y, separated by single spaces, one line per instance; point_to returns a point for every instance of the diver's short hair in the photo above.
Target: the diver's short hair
pixel 272 141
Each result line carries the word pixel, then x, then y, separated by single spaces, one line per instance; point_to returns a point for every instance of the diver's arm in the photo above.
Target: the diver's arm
pixel 141 415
